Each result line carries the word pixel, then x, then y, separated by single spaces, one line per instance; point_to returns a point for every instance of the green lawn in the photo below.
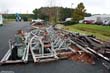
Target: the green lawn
pixel 6 21
pixel 101 32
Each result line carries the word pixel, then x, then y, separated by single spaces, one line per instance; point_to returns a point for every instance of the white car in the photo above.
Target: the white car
pixel 106 23
pixel 37 20
pixel 1 20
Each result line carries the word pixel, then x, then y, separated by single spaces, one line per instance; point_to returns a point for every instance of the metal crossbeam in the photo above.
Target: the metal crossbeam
pixel 6 59
pixel 41 56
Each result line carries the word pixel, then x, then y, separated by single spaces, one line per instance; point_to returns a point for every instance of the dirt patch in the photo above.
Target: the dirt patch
pixel 81 56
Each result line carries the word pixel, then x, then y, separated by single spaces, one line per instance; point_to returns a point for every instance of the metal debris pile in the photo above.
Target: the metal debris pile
pixel 50 43
pixel 81 56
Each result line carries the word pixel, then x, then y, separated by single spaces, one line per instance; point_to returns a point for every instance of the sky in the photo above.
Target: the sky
pixel 27 6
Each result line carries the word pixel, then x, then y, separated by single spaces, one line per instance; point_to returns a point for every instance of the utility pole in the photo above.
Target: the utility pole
pixel 72 5
pixel 72 9
pixel 57 18
pixel 26 11
pixel 52 12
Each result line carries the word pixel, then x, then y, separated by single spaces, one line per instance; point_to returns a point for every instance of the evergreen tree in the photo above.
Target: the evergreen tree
pixel 36 13
pixel 79 12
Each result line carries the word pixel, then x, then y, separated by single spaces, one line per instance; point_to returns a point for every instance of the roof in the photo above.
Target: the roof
pixel 102 15
pixel 94 17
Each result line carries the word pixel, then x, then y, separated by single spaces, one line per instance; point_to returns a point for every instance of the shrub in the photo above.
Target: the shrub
pixel 70 22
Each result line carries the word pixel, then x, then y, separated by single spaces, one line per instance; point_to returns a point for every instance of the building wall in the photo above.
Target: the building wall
pixel 1 20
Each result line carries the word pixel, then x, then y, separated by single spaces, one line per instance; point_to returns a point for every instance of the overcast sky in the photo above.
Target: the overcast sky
pixel 26 6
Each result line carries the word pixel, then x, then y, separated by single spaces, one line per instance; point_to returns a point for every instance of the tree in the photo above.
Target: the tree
pixel 43 16
pixel 36 13
pixel 65 13
pixel 88 14
pixel 79 12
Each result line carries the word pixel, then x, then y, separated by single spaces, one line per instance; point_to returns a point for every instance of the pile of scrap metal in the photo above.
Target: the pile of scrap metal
pixel 44 45
pixel 94 46
pixel 38 24
pixel 50 43
pixel 90 49
pixel 78 52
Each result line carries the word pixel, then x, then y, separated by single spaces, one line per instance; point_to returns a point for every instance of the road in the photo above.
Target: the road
pixel 62 66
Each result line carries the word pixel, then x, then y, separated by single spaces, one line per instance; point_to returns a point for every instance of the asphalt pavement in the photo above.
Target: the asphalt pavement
pixel 61 66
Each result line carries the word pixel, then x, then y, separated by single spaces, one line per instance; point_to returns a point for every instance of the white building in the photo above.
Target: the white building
pixel 1 20
pixel 104 18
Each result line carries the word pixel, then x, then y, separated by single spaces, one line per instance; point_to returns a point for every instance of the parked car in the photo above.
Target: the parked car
pixel 106 23
pixel 103 23
pixel 89 21
pixel 99 23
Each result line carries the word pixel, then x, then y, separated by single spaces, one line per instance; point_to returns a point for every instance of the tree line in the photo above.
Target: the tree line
pixel 13 16
pixel 55 14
